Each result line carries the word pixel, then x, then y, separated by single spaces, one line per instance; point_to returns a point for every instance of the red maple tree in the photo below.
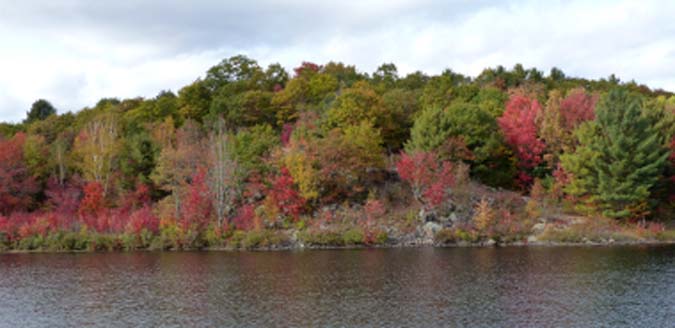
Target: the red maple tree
pixel 518 124
pixel 430 179
pixel 284 195
pixel 16 185
pixel 197 208
pixel 577 107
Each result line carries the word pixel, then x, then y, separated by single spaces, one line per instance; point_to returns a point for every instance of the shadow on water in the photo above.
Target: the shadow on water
pixel 473 287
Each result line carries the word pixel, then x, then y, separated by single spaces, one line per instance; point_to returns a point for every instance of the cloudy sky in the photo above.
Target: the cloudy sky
pixel 74 52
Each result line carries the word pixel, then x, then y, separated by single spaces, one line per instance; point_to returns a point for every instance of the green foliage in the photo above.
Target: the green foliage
pixel 331 127
pixel 153 110
pixel 7 130
pixel 252 146
pixel 40 110
pixel 194 100
pixel 467 132
pixel 620 158
pixel 353 236
pixel 137 158
pixel 357 104
pixel 322 238
pixel 242 108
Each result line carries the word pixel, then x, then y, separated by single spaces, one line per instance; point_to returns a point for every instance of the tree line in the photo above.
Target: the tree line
pixel 247 147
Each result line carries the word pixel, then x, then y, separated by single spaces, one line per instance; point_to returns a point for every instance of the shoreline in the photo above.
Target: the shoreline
pixel 537 244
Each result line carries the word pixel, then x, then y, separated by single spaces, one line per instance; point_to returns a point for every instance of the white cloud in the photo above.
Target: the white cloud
pixel 77 53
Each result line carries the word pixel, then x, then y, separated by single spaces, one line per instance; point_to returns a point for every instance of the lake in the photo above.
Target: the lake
pixel 423 287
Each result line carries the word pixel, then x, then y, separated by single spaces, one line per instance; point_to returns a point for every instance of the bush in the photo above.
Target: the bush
pixel 353 236
pixel 214 236
pixel 235 240
pixel 253 239
pixel 453 236
pixel 322 238
pixel 262 239
pixel 103 242
pixel 140 240
pixel 381 238
pixel 666 235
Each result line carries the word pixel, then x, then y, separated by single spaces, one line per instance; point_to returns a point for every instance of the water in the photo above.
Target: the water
pixel 487 287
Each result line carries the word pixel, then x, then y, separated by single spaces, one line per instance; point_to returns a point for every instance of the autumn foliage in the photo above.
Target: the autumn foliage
pixel 250 148
pixel 197 209
pixel 430 179
pixel 283 196
pixel 519 126
pixel 93 202
pixel 16 185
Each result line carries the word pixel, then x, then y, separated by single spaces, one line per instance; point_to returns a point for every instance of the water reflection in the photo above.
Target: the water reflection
pixel 491 287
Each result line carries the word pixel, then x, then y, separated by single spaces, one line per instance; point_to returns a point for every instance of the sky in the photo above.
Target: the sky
pixel 75 52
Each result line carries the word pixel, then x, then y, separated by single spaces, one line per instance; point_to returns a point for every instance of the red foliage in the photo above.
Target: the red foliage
pixel 374 209
pixel 137 198
pixel 16 186
pixel 518 124
pixel 21 225
pixel 140 219
pixel 255 188
pixel 197 207
pixel 284 195
pixel 245 219
pixel 64 199
pixel 577 108
pixel 92 203
pixel 306 67
pixel 430 179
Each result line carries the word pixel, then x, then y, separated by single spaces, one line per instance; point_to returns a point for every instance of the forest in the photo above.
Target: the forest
pixel 327 155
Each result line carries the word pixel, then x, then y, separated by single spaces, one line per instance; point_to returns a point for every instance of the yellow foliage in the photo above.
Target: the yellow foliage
pixel 484 215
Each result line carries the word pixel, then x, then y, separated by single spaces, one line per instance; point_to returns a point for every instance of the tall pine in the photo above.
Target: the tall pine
pixel 620 158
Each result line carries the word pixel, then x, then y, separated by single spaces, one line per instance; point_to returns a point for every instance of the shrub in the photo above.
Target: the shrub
pixel 430 179
pixel 322 238
pixel 353 236
pixel 214 236
pixel 452 236
pixel 484 216
pixel 381 238
pixel 261 239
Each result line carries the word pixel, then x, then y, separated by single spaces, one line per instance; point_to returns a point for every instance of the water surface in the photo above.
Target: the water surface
pixel 426 287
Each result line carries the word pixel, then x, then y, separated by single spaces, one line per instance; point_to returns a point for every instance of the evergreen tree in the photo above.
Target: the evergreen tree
pixel 620 158
pixel 40 110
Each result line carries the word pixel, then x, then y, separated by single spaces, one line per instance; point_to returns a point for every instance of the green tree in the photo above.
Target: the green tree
pixel 250 148
pixel 620 157
pixel 40 110
pixel 194 101
pixel 234 69
pixel 464 126
pixel 137 158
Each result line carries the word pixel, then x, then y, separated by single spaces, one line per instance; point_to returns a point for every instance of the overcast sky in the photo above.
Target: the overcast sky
pixel 76 52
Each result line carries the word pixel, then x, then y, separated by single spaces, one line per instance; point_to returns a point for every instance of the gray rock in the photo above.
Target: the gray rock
pixel 532 239
pixel 430 229
pixel 453 217
pixel 538 228
pixel 490 242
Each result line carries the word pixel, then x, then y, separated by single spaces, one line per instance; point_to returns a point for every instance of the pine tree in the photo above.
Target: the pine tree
pixel 620 158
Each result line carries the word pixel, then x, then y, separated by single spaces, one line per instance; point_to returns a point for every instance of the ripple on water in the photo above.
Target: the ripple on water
pixel 485 287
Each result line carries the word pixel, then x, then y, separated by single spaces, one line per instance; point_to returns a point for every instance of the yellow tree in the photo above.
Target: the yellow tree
pixel 97 145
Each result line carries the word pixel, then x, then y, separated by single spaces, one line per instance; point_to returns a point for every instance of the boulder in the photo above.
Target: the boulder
pixel 430 229
pixel 538 228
